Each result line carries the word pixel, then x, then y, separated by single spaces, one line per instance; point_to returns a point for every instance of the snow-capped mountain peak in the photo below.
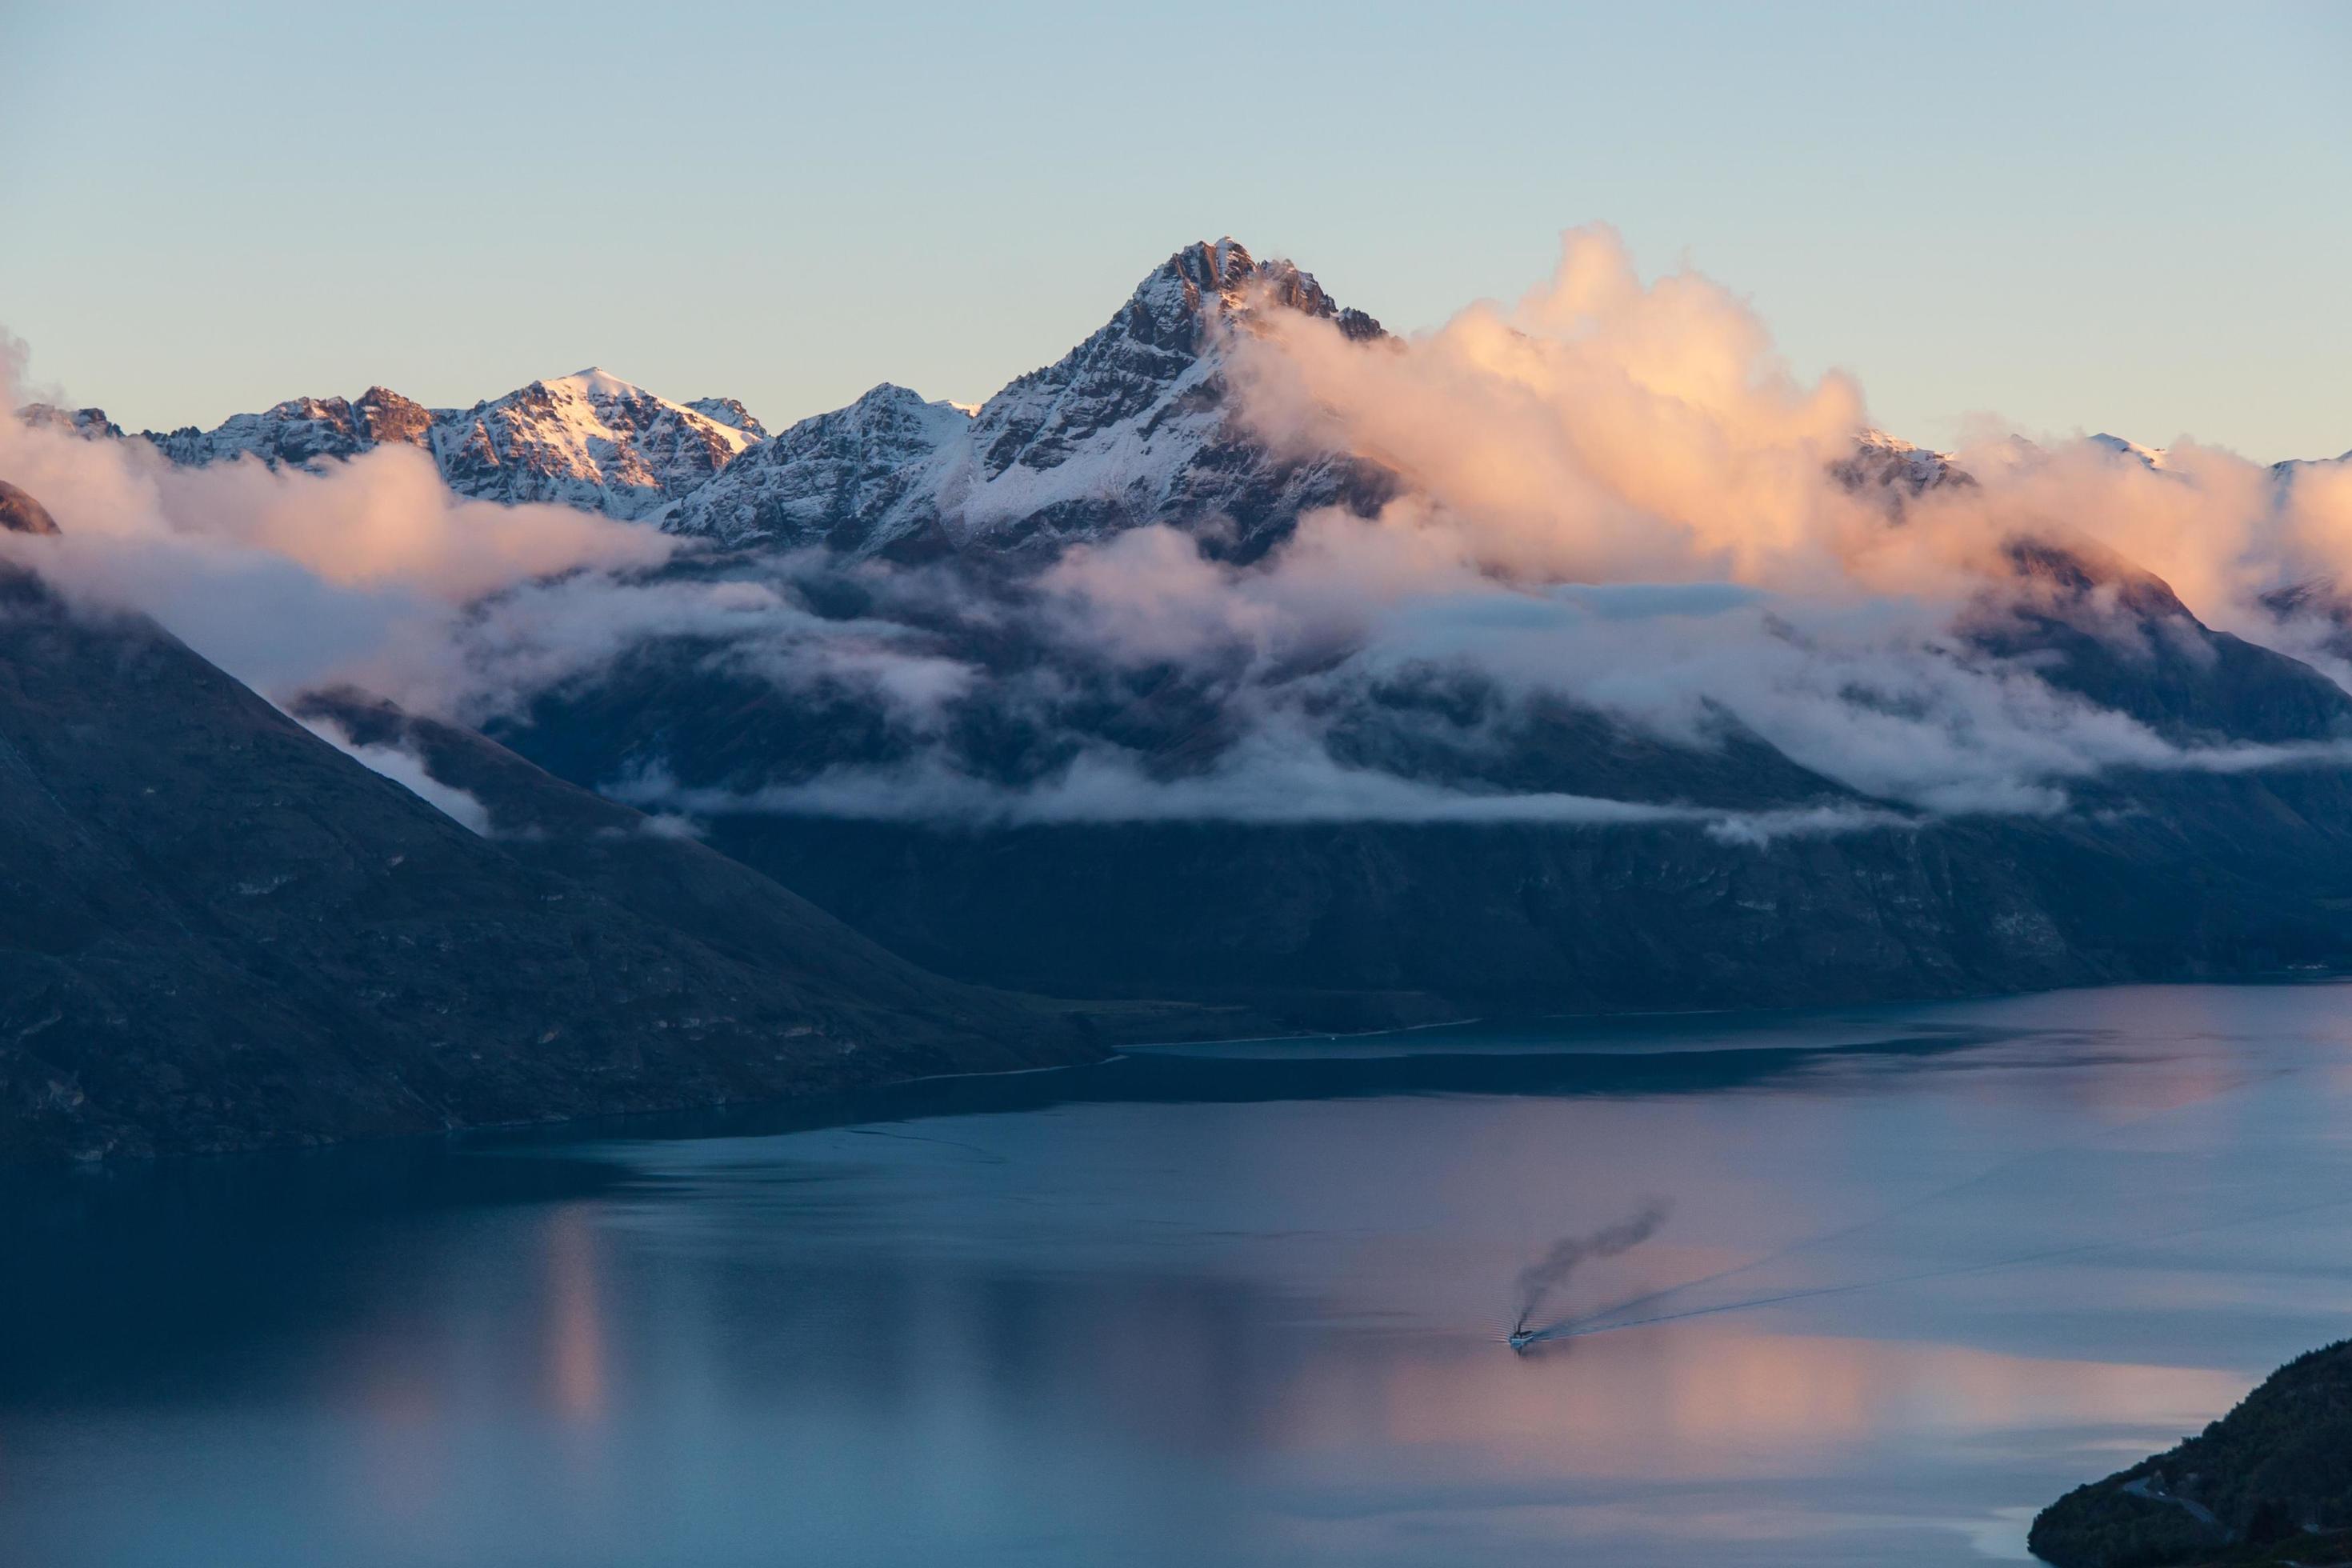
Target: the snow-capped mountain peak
pixel 91 424
pixel 1129 427
pixel 1895 469
pixel 845 478
pixel 2149 456
pixel 593 383
pixel 381 414
pixel 732 413
pixel 1183 291
pixel 588 439
pixel 1176 291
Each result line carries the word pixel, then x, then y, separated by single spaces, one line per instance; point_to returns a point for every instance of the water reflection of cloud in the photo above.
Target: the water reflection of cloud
pixel 1714 1401
pixel 1176 1328
pixel 577 1380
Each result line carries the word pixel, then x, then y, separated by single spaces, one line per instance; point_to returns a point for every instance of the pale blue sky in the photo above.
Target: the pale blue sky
pixel 2130 217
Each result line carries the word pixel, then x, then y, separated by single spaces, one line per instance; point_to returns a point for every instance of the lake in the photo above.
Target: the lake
pixel 1865 1286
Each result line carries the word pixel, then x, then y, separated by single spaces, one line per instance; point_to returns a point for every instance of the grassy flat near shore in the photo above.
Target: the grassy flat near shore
pixel 2270 1483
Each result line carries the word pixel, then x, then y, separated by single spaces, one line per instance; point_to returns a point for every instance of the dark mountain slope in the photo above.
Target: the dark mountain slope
pixel 2270 1482
pixel 659 874
pixel 218 931
pixel 2151 873
pixel 2205 877
pixel 2107 630
pixel 1132 426
pixel 20 513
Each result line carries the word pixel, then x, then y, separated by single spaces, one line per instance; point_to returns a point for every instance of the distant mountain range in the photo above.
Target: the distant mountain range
pixel 588 440
pixel 223 931
pixel 2154 874
pixel 1129 426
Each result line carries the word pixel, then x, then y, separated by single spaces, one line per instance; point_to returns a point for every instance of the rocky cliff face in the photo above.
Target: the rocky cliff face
pixel 20 513
pixel 301 432
pixel 860 477
pixel 588 440
pixel 731 413
pixel 1896 471
pixel 1132 423
pixel 1131 427
pixel 382 416
pixel 91 424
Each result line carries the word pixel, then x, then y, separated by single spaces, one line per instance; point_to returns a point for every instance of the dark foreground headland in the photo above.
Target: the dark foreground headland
pixel 2270 1483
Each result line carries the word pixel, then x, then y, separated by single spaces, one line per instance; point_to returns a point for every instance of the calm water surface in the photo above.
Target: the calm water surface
pixel 1920 1269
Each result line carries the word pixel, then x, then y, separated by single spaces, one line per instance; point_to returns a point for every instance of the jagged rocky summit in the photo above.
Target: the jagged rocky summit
pixel 1133 425
pixel 588 440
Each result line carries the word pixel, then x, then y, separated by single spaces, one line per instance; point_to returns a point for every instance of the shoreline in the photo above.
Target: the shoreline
pixel 810 1111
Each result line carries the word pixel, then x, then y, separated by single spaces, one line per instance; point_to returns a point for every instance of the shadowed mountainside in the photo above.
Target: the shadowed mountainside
pixel 2149 874
pixel 2270 1483
pixel 219 931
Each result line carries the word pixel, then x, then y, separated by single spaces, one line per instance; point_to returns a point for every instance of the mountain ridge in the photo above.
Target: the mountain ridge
pixel 588 440
pixel 1526 846
pixel 219 931
pixel 1129 427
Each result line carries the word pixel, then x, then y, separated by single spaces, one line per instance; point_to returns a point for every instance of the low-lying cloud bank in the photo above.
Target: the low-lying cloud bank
pixel 1617 506
pixel 1261 783
pixel 1880 694
pixel 1608 430
pixel 286 578
pixel 408 770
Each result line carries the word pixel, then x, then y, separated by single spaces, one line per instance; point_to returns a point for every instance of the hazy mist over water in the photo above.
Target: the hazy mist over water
pixel 1223 1305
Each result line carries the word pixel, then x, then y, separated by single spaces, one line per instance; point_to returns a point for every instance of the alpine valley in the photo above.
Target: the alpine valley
pixel 939 738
